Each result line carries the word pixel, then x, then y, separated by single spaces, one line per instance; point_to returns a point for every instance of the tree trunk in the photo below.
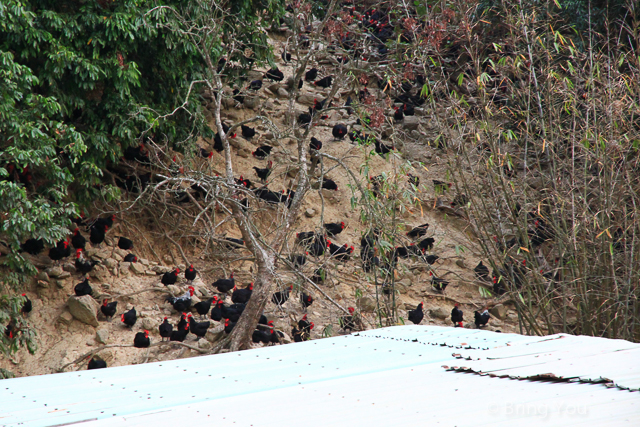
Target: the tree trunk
pixel 243 330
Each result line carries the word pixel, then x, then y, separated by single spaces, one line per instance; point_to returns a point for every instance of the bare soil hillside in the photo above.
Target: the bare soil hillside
pixel 62 338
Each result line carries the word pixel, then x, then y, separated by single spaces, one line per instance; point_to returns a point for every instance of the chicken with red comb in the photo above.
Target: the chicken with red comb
pixel 456 316
pixel 141 340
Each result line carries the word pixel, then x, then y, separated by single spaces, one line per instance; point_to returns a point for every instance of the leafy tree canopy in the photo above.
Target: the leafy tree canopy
pixel 81 81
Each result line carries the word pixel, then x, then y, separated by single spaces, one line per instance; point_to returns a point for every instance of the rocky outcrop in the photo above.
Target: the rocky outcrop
pixel 84 309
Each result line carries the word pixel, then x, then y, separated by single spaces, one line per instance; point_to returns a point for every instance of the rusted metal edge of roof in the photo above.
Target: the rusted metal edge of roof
pixel 509 347
pixel 545 377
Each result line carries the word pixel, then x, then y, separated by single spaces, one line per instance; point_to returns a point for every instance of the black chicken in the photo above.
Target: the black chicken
pixel 130 317
pixel 430 259
pixel 481 319
pixel 317 247
pixel 247 132
pixel 416 315
pixel 382 148
pixel 347 105
pixel 238 98
pixel 180 334
pixel 27 306
pixel 242 296
pixel 319 276
pixel 304 119
pixel 339 131
pixel 78 240
pixel 304 324
pixel 413 180
pixel 343 253
pixel 203 307
pixel 199 329
pixel 418 231
pixel 205 154
pixel 298 260
pixel 398 115
pixel 80 220
pixel 165 329
pixel 370 259
pixel 306 300
pixel 228 326
pixel 263 173
pixel 96 364
pixel 274 74
pixel 130 258
pixel 427 243
pixel 225 285
pixel 136 153
pixel 286 57
pixel 32 246
pixel 233 311
pixel 329 184
pixel 141 340
pixel 170 277
pixel 311 75
pixel 97 234
pixel 409 110
pixel 456 316
pixel 60 251
pixel 275 335
pixel 244 182
pixel 267 195
pixel 324 82
pixel 263 320
pixel 437 283
pixel 303 331
pixel 334 228
pixel 183 322
pixel 233 243
pixel 83 266
pixel 9 330
pixel 305 237
pixel 217 140
pixel 261 336
pixel 281 297
pixel 262 152
pixel 348 322
pixel 255 85
pixel 315 144
pixel 109 308
pixel 482 272
pixel 83 288
pixel 319 105
pixel 499 285
pixel 125 244
pixel 190 274
pixel 182 303
pixel 106 222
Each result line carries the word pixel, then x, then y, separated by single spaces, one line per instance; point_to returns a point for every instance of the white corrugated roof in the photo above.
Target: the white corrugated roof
pixel 389 377
pixel 567 357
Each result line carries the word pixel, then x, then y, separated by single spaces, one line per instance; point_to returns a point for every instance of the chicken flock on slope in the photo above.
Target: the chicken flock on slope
pixel 378 25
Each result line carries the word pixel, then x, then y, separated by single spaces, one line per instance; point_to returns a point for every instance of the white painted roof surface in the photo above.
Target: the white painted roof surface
pixel 562 356
pixel 384 377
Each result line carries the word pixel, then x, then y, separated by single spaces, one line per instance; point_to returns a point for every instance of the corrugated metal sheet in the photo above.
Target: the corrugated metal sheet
pixel 387 377
pixel 561 356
